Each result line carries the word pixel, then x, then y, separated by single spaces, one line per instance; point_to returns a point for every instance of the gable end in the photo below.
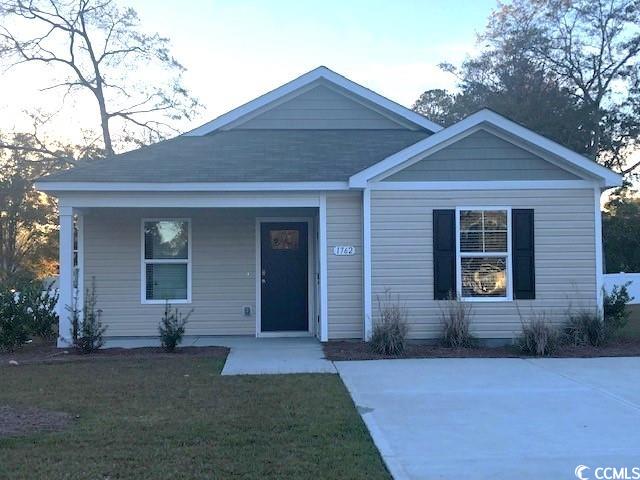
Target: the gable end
pixel 395 111
pixel 321 107
pixel 482 156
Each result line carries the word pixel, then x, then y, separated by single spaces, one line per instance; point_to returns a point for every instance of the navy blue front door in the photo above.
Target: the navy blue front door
pixel 284 277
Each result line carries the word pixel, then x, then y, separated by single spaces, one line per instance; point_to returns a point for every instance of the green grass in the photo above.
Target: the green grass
pixel 178 418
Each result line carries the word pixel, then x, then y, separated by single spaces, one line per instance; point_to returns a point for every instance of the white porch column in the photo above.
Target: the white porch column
pixel 324 296
pixel 597 194
pixel 366 260
pixel 65 279
pixel 79 283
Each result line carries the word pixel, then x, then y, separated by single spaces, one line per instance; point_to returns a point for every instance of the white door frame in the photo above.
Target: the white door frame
pixel 310 275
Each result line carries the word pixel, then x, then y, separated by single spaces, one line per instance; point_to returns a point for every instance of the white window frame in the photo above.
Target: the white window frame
pixel 144 262
pixel 459 255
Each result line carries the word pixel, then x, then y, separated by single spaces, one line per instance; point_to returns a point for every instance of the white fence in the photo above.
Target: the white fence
pixel 612 279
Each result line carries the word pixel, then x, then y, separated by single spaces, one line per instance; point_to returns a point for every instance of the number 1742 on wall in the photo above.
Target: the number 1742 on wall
pixel 341 251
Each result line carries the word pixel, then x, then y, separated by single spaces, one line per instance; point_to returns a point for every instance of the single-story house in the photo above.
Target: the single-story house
pixel 292 214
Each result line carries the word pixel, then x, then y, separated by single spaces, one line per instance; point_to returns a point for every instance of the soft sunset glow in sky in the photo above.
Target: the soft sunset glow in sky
pixel 235 50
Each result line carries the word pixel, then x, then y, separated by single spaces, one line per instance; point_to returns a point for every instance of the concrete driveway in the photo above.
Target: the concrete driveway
pixel 500 418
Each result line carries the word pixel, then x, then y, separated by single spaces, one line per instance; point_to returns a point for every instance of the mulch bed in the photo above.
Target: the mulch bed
pixel 46 352
pixel 355 350
pixel 16 421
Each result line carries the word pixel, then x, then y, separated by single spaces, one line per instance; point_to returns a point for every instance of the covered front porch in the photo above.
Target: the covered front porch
pixel 241 264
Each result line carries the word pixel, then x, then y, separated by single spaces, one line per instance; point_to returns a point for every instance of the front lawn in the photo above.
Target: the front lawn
pixel 168 418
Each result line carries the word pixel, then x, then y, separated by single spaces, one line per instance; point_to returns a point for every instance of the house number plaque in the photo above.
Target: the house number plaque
pixel 344 251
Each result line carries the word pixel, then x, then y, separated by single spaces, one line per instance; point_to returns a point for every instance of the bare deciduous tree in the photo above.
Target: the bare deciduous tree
pixel 27 217
pixel 567 69
pixel 593 47
pixel 97 47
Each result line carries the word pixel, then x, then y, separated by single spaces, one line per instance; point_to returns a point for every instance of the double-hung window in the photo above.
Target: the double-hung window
pixel 166 260
pixel 483 252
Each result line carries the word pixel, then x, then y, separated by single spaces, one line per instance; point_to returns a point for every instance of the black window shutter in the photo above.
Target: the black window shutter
pixel 444 254
pixel 524 269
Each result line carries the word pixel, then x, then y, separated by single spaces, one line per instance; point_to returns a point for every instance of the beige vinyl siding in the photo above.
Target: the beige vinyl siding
pixel 319 108
pixel 223 268
pixel 402 255
pixel 344 227
pixel 482 156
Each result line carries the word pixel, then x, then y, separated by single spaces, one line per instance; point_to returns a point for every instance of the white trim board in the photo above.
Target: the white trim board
pixel 599 252
pixel 485 185
pixel 319 73
pixel 46 186
pixel 188 200
pixel 366 258
pixel 458 130
pixel 80 288
pixel 324 278
pixel 65 278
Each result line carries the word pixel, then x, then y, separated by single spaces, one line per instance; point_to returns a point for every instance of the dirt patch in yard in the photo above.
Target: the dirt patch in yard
pixel 16 421
pixel 47 352
pixel 356 350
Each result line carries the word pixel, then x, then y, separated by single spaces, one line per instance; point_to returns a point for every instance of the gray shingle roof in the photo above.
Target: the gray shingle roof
pixel 249 156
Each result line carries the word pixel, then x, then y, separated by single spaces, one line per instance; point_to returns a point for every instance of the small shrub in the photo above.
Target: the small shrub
pixel 14 320
pixel 389 335
pixel 456 323
pixel 172 327
pixel 40 303
pixel 586 327
pixel 28 309
pixel 74 315
pixel 90 336
pixel 538 337
pixel 595 328
pixel 616 313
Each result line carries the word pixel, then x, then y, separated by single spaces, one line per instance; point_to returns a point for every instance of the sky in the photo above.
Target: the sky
pixel 235 50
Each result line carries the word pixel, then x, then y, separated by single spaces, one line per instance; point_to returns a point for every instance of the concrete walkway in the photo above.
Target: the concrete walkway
pixel 499 418
pixel 256 356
